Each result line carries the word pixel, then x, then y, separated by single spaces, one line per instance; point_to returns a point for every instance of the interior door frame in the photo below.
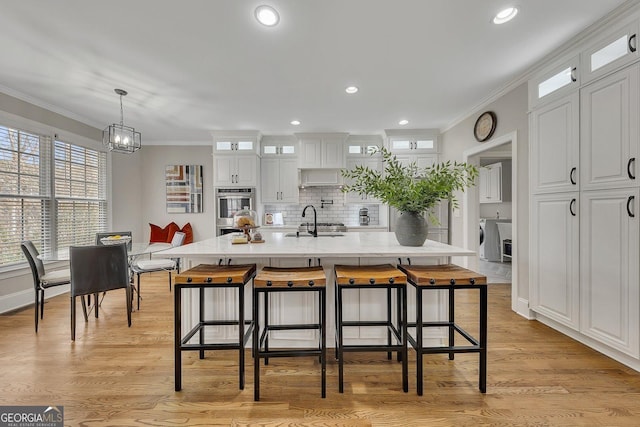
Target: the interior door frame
pixel 471 213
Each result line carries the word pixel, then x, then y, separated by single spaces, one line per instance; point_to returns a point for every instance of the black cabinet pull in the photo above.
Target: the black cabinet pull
pixel 571 207
pixel 632 47
pixel 572 175
pixel 629 200
pixel 631 160
pixel 573 75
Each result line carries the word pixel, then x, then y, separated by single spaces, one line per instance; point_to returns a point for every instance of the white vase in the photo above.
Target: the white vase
pixel 411 229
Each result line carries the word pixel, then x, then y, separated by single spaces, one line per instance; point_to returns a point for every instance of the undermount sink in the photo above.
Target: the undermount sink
pixel 320 234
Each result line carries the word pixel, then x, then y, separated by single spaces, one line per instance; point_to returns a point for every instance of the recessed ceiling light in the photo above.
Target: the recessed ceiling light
pixel 351 89
pixel 267 15
pixel 295 122
pixel 403 122
pixel 505 15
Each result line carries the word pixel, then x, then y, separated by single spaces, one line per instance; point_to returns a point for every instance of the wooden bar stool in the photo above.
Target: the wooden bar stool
pixel 451 278
pixel 386 277
pixel 303 279
pixel 211 276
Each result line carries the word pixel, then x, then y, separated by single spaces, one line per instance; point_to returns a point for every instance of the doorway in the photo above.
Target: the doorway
pixel 504 147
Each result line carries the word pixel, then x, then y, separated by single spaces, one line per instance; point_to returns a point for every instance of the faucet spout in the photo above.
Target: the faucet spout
pixel 314 233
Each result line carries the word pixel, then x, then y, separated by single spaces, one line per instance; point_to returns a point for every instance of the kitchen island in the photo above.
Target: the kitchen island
pixel 287 250
pixel 329 245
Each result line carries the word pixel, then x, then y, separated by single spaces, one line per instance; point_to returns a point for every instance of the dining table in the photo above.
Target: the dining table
pixel 134 250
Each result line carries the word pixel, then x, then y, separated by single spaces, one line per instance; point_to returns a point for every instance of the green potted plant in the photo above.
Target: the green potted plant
pixel 412 190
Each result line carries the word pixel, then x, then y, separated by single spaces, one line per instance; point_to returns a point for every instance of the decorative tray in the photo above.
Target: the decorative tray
pixel 114 240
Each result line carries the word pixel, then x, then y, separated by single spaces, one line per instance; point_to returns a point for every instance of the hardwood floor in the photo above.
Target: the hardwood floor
pixel 118 376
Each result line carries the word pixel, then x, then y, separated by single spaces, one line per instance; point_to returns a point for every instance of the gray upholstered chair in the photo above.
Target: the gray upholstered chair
pixel 96 269
pixel 41 279
pixel 143 265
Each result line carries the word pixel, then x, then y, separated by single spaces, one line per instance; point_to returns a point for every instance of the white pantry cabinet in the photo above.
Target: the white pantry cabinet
pixel 609 131
pixel 554 254
pixel 555 146
pixel 609 268
pixel 279 180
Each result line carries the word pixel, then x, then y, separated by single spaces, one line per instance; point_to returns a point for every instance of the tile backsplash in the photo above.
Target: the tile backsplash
pixel 338 211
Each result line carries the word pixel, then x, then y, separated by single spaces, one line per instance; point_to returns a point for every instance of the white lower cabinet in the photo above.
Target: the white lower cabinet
pixel 554 267
pixel 609 268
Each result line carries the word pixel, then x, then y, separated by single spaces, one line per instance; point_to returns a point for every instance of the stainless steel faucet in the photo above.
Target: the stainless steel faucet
pixel 314 233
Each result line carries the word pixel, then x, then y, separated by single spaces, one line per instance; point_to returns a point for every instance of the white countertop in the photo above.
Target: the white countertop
pixel 351 244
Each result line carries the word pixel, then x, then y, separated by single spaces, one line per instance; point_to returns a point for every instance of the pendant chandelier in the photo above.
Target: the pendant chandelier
pixel 120 138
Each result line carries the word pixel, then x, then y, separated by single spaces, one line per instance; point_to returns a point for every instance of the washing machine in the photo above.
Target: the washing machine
pixel 489 249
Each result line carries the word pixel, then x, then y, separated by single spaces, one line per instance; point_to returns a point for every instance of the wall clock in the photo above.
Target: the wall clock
pixel 485 126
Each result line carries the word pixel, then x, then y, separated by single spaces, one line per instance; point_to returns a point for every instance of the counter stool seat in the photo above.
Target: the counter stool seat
pixel 451 278
pixel 271 280
pixel 384 276
pixel 202 277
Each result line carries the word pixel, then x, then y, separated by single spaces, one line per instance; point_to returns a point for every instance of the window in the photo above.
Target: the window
pixel 25 193
pixel 52 209
pixel 80 194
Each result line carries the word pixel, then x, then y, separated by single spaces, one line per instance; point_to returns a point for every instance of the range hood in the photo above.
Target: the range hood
pixel 320 178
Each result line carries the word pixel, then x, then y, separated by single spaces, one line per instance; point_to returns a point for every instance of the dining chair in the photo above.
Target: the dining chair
pixel 140 266
pixel 41 279
pixel 96 269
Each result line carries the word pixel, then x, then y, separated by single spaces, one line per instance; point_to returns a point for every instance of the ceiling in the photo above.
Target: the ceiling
pixel 196 66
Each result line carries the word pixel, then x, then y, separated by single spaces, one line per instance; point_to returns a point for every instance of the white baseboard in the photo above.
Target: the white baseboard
pixel 522 308
pixel 25 298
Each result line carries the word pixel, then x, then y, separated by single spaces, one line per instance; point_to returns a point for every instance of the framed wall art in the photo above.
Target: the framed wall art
pixel 184 188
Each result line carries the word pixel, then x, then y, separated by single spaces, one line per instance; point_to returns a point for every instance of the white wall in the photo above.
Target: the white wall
pixel 511 111
pixel 139 194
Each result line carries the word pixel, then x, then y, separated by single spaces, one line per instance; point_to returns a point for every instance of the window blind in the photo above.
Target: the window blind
pixel 25 193
pixel 80 194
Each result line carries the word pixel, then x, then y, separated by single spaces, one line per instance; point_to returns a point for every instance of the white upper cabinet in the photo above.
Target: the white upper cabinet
pixel 401 141
pixel 321 151
pixel 235 171
pixel 285 145
pixel 279 180
pixel 555 145
pixel 616 48
pixel 399 145
pixel 609 131
pixel 554 81
pixel 490 187
pixel 373 163
pixel 235 142
pixel 362 145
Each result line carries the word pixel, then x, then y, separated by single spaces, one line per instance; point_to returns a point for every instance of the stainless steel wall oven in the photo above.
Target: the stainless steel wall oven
pixel 228 202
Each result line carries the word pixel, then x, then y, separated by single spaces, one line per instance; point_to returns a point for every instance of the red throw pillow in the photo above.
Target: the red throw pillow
pixel 173 227
pixel 188 231
pixel 162 235
pixel 158 234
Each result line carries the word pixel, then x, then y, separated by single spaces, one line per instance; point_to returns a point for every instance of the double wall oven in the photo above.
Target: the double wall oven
pixel 228 202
